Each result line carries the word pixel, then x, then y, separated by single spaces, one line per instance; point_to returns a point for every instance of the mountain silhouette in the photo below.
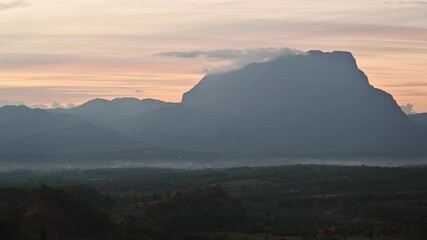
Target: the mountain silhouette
pixel 24 131
pixel 311 104
pixel 315 103
pixel 105 112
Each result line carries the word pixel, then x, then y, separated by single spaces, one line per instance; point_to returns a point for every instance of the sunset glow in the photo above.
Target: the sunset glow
pixel 74 51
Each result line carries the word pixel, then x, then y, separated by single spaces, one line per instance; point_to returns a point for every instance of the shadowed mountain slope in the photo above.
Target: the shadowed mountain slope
pixel 419 119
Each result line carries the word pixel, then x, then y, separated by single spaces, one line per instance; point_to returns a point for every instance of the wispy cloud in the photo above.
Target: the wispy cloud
pixel 11 61
pixel 5 5
pixel 406 2
pixel 407 84
pixel 236 57
pixel 410 92
pixel 231 54
pixel 408 108
pixel 20 61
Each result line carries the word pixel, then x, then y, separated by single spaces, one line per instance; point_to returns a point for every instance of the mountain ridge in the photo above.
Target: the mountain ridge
pixel 312 104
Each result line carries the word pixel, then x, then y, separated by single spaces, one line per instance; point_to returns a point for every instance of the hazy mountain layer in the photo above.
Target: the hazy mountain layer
pixel 312 104
pixel 24 131
pixel 105 112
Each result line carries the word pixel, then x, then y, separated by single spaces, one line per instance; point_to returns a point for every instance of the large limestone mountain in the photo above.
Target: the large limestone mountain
pixel 308 104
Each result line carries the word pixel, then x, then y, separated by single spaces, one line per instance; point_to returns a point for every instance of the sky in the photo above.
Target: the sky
pixel 68 52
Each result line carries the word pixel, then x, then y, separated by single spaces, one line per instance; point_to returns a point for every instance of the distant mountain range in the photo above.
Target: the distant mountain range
pixel 313 104
pixel 28 131
pixel 104 112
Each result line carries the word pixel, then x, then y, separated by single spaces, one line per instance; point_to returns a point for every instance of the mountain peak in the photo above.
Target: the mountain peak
pixel 313 102
pixel 309 74
pixel 20 109
pixel 13 107
pixel 343 57
pixel 107 111
pixel 126 99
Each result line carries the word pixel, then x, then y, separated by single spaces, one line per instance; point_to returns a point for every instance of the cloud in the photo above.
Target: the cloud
pixel 253 53
pixel 407 84
pixel 5 5
pixel 410 92
pixel 19 61
pixel 237 57
pixel 23 60
pixel 139 91
pixel 205 70
pixel 70 105
pixel 407 2
pixel 56 105
pixel 408 108
pixel 41 106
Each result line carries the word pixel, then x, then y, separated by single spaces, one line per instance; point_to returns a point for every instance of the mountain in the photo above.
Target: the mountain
pixel 18 122
pixel 419 119
pixel 101 111
pixel 304 104
pixel 311 104
pixel 29 131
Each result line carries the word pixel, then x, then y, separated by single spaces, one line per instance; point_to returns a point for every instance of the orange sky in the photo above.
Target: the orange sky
pixel 72 51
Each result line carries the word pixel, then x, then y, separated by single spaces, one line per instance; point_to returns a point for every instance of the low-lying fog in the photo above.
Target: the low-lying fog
pixel 219 163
